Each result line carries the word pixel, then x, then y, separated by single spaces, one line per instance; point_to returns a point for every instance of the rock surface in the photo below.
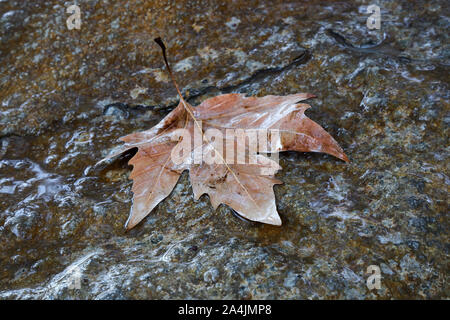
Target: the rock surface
pixel 67 95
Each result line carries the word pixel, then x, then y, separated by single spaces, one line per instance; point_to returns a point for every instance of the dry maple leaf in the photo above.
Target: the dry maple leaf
pixel 247 187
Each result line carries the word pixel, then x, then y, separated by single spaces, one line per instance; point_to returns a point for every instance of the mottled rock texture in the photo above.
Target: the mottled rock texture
pixel 67 95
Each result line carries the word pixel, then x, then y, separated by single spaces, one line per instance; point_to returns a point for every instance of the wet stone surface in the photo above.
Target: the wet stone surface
pixel 67 95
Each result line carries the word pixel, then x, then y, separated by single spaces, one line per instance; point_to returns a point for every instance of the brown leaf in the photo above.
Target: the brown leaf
pixel 214 142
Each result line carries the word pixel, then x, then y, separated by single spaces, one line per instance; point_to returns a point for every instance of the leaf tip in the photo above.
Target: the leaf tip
pixel 344 157
pixel 131 223
pixel 273 219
